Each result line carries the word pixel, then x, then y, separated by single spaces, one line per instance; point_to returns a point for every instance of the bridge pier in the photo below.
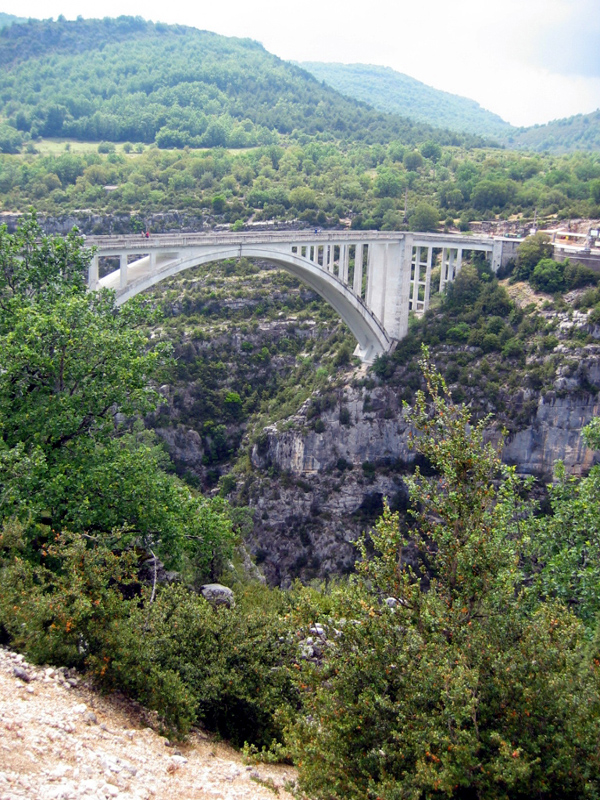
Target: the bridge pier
pixel 123 270
pixel 358 270
pixel 93 273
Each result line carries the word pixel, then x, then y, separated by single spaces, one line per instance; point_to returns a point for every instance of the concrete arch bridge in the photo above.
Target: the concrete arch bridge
pixel 373 279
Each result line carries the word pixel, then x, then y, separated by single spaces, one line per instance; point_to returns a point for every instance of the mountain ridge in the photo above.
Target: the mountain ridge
pixel 416 99
pixel 395 92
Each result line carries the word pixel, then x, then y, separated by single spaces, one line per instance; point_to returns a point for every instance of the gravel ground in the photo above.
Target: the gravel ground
pixel 59 740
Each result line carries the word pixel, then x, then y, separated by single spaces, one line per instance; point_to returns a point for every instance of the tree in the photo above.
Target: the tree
pixel 548 276
pixel 530 252
pixel 431 150
pixel 565 545
pixel 413 160
pixel 425 217
pixel 388 183
pixel 442 679
pixel 464 289
pixel 76 372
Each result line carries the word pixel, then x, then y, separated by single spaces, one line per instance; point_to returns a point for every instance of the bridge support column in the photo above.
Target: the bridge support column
pixel 93 273
pixel 152 259
pixel 358 270
pixel 387 286
pixel 344 259
pixel 419 269
pixel 123 270
pixel 331 258
pixel 448 266
pixel 428 278
pixel 497 255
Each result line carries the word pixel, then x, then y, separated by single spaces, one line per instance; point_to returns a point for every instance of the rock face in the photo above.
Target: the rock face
pixel 314 492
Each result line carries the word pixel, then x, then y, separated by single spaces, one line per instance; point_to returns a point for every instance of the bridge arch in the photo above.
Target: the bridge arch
pixel 368 331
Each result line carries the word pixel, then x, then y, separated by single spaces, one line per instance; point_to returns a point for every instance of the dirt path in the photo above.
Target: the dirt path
pixel 61 741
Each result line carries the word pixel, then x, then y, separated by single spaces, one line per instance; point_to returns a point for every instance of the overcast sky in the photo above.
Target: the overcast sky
pixel 529 61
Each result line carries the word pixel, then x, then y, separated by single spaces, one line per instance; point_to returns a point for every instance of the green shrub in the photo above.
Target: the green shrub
pixel 578 275
pixel 530 252
pixel 548 276
pixel 458 333
pixel 513 349
pixel 230 669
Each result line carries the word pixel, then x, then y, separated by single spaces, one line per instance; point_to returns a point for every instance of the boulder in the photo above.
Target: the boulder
pixel 218 595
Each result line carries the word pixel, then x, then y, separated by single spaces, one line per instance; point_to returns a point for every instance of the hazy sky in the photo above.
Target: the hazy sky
pixel 528 60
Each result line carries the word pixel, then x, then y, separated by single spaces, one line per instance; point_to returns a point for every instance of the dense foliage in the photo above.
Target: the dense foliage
pixel 76 371
pixel 128 79
pixel 230 669
pixel 311 183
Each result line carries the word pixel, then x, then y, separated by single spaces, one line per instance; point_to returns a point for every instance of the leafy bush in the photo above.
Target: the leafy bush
pixel 548 276
pixel 578 275
pixel 513 349
pixel 530 252
pixel 227 668
pixel 565 544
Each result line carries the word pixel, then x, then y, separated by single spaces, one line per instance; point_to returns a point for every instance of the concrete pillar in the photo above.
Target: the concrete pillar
pixel 368 267
pixel 415 269
pixel 443 270
pixel 93 272
pixel 344 258
pixel 332 259
pixel 428 277
pixel 451 274
pixel 497 255
pixel 459 259
pixel 358 269
pixel 123 270
pixel 387 286
pixel 152 260
pixel 391 271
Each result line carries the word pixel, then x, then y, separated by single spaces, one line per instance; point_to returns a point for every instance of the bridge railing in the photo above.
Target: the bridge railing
pixel 165 240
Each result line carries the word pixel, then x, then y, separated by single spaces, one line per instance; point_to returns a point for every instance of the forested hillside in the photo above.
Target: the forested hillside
pixel 9 19
pixel 391 91
pixel 128 79
pixel 581 132
pixel 312 183
pixel 396 93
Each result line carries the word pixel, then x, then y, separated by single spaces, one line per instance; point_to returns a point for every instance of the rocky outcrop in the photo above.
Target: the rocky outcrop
pixel 315 490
